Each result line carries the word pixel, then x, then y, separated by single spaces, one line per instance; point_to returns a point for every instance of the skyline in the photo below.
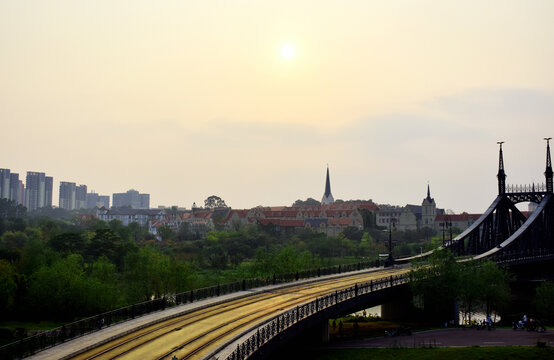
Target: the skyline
pixel 250 100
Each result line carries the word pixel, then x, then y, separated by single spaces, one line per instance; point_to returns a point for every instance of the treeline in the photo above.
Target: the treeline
pixel 62 269
pixel 47 272
pixel 476 286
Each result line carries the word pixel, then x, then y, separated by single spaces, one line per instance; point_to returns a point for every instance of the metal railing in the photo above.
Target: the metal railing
pixel 525 188
pixel 524 256
pixel 284 321
pixel 49 338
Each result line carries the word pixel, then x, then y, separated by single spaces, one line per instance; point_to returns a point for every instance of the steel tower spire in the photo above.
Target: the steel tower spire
pixel 501 174
pixel 548 172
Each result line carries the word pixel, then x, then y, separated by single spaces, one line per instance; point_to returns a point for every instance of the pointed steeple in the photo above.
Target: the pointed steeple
pixel 428 193
pixel 428 199
pixel 327 184
pixel 548 172
pixel 501 174
pixel 327 196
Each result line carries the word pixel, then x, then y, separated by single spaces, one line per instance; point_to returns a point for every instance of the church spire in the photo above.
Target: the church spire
pixel 548 172
pixel 501 174
pixel 327 184
pixel 327 196
pixel 428 192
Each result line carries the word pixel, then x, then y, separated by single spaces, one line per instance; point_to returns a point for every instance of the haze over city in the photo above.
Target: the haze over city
pixel 251 100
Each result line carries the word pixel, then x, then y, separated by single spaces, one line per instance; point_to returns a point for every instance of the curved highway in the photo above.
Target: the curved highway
pixel 197 333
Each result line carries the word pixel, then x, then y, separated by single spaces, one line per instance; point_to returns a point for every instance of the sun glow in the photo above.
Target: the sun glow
pixel 288 52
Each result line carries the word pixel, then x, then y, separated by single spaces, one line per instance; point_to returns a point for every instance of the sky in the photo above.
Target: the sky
pixel 252 100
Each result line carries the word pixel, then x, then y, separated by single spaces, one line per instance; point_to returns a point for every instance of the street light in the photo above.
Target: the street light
pixel 390 259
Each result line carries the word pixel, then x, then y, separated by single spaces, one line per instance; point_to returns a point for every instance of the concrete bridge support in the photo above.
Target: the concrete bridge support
pixel 325 338
pixel 402 309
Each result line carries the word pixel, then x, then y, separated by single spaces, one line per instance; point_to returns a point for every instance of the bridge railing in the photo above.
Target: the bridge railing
pixel 49 338
pixel 286 320
pixel 525 188
pixel 516 256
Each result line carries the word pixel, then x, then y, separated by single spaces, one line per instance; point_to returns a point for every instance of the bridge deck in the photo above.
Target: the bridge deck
pixel 197 330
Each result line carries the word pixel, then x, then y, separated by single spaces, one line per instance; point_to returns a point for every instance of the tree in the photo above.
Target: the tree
pixel 368 218
pixel 166 233
pixel 353 233
pixel 67 243
pixel 10 210
pixel 62 291
pixel 137 231
pixel 8 286
pixel 307 202
pixel 470 287
pixel 149 273
pixel 214 202
pixel 435 284
pixel 495 294
pixel 107 242
pixel 544 301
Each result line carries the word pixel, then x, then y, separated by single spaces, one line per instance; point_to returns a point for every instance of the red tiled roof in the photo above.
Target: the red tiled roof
pixel 240 213
pixel 339 221
pixel 280 214
pixel 202 214
pixel 457 217
pixel 282 222
pixel 368 206
pixel 338 213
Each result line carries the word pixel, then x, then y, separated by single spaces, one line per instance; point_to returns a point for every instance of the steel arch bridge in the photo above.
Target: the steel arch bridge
pixel 503 233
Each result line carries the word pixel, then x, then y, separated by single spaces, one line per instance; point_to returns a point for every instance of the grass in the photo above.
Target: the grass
pixel 11 331
pixel 467 353
pixel 30 325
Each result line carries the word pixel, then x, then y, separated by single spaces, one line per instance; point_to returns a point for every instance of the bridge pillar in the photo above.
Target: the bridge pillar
pixel 325 332
pixel 398 310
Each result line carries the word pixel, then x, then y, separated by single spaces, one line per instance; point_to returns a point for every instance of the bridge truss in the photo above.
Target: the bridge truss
pixel 503 232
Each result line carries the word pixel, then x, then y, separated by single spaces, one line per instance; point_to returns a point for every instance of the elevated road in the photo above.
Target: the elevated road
pixel 198 333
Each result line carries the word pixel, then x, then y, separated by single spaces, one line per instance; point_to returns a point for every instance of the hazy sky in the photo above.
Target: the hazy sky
pixel 185 99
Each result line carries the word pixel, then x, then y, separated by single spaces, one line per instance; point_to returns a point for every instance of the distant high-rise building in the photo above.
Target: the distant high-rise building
pixel 38 191
pixel 81 197
pixel 131 198
pixel 5 184
pixel 144 201
pixel 99 201
pixel 48 190
pixel 17 192
pixel 104 200
pixel 67 195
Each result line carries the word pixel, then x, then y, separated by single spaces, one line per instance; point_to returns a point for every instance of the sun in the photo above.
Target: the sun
pixel 288 52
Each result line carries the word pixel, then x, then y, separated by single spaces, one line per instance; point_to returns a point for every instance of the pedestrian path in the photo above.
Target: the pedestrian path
pixel 451 337
pixel 81 344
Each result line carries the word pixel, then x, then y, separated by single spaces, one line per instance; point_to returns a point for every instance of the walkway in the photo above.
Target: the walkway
pixel 451 337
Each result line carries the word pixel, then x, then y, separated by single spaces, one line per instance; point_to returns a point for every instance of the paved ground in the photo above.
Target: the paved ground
pixel 451 337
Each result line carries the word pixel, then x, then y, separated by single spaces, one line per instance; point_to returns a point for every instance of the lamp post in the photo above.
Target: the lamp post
pixel 390 259
pixel 450 227
pixel 446 224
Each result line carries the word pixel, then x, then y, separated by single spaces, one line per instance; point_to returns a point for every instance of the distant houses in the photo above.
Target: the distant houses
pixel 330 219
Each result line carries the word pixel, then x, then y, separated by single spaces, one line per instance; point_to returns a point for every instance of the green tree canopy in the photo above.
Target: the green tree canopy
pixel 214 202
